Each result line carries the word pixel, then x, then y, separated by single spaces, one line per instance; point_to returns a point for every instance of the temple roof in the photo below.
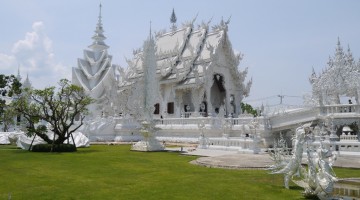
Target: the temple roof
pixel 181 52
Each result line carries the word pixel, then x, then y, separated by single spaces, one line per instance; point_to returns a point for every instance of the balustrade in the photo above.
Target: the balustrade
pixel 244 143
pixel 348 137
pixel 213 121
pixel 340 108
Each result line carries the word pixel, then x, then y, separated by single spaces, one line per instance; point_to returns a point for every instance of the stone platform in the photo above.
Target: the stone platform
pixel 248 160
pixel 236 161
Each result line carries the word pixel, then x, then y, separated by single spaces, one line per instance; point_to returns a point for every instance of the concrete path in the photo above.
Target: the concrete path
pixel 236 161
pixel 248 160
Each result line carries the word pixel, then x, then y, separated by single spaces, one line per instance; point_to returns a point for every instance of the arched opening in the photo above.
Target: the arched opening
pixel 218 92
pixel 157 109
pixel 203 107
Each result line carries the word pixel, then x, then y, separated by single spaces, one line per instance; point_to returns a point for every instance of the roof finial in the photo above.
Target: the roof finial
pixel 150 30
pixel 173 20
pixel 173 17
pixel 99 37
pixel 100 7
pixel 18 75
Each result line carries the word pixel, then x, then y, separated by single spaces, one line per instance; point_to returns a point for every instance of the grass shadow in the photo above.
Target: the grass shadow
pixel 8 147
pixel 88 150
pixel 295 187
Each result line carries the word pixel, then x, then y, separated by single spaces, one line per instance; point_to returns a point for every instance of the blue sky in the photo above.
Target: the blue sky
pixel 281 39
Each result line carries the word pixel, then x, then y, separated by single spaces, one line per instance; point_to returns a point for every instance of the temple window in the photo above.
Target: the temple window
pixel 170 108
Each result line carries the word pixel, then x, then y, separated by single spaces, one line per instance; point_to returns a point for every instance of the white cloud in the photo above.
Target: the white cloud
pixel 7 62
pixel 34 54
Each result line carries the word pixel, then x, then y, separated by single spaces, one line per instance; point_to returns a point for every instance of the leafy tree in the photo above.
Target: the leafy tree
pixel 8 118
pixel 248 109
pixel 60 109
pixel 9 86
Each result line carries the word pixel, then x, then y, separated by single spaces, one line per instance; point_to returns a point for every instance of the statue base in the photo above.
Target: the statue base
pixel 149 145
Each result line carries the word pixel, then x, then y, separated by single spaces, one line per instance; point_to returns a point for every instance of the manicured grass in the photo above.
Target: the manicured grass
pixel 115 172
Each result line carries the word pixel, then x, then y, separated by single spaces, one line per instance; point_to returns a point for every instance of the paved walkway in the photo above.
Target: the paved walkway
pixel 248 160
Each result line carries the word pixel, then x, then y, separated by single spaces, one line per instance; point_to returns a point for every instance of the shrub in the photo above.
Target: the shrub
pixel 57 148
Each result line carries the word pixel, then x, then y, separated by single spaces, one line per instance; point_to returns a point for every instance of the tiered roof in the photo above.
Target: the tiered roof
pixel 184 55
pixel 95 68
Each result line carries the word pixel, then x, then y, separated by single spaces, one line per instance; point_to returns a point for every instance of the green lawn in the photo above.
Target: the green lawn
pixel 115 172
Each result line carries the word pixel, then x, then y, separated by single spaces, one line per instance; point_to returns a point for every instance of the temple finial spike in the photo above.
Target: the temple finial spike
pixel 98 38
pixel 173 17
pixel 100 8
pixel 150 29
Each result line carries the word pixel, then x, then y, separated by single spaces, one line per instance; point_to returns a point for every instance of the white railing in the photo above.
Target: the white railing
pixel 194 114
pixel 309 114
pixel 243 143
pixel 348 137
pixel 206 120
pixel 343 146
pixel 240 121
pixel 124 120
pixel 340 108
pixel 294 117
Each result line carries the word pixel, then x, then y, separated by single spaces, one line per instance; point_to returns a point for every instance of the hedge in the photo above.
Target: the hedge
pixel 57 148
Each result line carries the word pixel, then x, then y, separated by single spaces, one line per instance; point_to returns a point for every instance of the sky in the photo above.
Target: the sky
pixel 281 40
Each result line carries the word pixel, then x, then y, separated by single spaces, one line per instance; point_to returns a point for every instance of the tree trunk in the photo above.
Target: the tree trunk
pixel 52 145
pixel 72 137
pixel 32 142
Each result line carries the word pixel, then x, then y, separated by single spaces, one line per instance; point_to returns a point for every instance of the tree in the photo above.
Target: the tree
pixel 9 86
pixel 248 109
pixel 60 109
pixel 8 118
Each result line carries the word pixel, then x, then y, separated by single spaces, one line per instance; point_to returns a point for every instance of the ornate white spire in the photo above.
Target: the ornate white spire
pixel 18 74
pixel 98 43
pixel 27 83
pixel 150 80
pixel 349 57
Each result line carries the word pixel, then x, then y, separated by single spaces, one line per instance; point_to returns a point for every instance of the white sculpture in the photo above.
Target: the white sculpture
pixel 280 154
pixel 24 142
pixel 143 100
pixel 256 138
pixel 203 141
pixel 9 137
pixel 292 167
pixel 318 178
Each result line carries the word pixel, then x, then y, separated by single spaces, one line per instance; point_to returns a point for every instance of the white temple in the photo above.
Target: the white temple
pixel 197 71
pixel 195 88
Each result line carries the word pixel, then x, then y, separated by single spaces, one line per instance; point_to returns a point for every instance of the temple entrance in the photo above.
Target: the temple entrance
pixel 218 92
